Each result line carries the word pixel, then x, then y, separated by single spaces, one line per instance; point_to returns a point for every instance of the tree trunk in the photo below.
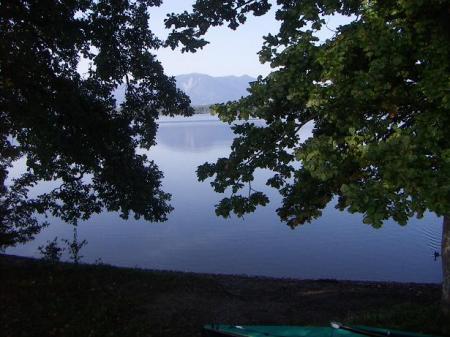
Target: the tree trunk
pixel 445 253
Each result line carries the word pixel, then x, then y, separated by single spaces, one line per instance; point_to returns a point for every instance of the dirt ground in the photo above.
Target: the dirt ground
pixel 95 300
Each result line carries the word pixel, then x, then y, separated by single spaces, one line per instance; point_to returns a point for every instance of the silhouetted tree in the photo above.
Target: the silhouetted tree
pixel 66 126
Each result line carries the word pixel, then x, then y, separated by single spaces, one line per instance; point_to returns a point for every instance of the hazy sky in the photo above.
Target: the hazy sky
pixel 229 52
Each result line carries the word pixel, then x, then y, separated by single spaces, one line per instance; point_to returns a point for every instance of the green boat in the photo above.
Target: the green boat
pixel 335 330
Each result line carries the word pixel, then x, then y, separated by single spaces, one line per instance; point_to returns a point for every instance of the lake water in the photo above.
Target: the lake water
pixel 336 246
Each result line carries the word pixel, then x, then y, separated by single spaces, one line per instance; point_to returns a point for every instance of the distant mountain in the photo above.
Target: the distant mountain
pixel 204 89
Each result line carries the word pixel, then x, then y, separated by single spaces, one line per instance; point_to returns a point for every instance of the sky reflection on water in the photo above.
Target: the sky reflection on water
pixel 337 246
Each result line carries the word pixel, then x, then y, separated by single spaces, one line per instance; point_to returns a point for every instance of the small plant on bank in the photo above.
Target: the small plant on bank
pixel 74 247
pixel 51 252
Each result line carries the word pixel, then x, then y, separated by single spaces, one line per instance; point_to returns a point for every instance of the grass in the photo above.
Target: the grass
pixel 41 299
pixel 405 316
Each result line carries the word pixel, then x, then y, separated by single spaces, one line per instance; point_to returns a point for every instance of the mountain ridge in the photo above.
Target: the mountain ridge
pixel 204 89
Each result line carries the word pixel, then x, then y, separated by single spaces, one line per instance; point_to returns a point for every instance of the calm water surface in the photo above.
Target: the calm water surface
pixel 338 245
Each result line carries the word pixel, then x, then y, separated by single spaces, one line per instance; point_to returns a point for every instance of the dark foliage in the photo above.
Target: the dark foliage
pixel 66 126
pixel 377 93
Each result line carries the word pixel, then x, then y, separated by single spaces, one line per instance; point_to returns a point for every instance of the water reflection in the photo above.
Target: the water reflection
pixel 338 245
pixel 194 136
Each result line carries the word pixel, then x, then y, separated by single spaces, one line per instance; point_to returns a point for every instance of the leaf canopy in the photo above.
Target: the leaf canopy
pixel 66 126
pixel 377 92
